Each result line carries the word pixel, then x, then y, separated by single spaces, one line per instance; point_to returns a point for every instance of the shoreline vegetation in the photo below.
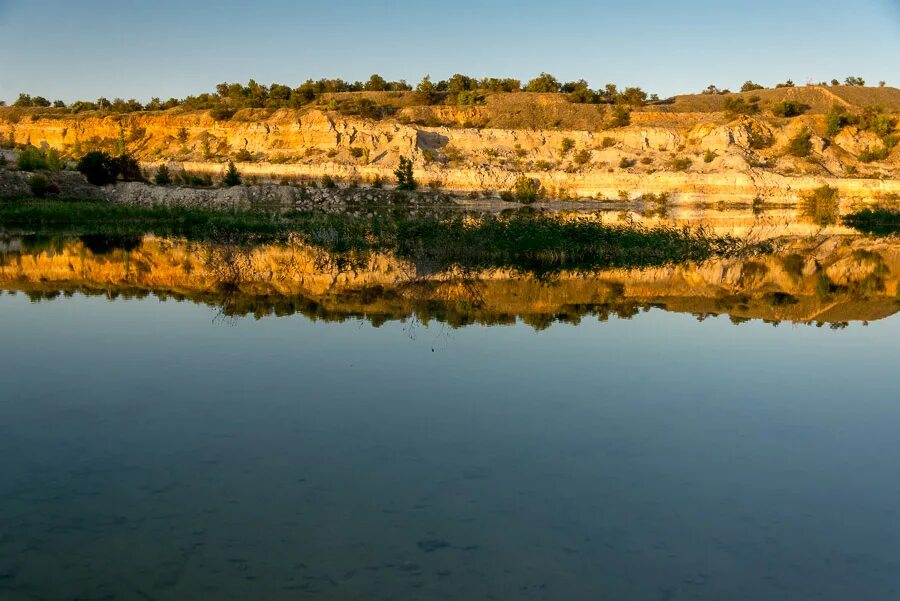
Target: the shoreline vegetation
pixel 526 239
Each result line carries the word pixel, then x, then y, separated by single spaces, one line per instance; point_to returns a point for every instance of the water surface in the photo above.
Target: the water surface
pixel 154 450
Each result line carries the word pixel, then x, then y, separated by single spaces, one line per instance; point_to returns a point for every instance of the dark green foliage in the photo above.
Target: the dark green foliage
pixel 758 139
pixel 870 155
pixel 750 86
pixel 162 177
pixel 880 221
pixel 99 168
pixel 836 120
pixel 800 145
pixel 127 168
pixel 566 145
pixel 328 182
pixel 736 105
pixel 679 163
pixel 625 163
pixel 222 113
pixel 426 92
pixel 404 175
pixel 243 156
pixel 543 83
pixel 40 186
pixel 789 108
pixel 854 81
pixel 357 152
pixel 31 159
pixel 621 116
pixel 232 177
pixel 709 156
pixel 582 157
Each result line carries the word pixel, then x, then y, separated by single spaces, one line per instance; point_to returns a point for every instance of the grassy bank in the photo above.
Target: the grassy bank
pixel 525 240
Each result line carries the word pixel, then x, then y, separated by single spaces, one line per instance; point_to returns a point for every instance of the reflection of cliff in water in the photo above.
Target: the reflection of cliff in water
pixel 826 280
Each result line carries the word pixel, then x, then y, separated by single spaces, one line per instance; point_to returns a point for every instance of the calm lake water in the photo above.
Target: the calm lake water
pixel 184 420
pixel 154 450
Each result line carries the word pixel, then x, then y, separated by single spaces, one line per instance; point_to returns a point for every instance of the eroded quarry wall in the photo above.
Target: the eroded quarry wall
pixel 688 155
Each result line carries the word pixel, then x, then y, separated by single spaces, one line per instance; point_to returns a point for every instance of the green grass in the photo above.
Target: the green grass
pixel 525 240
pixel 879 221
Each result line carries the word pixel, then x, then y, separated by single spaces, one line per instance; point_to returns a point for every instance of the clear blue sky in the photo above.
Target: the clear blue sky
pixel 85 49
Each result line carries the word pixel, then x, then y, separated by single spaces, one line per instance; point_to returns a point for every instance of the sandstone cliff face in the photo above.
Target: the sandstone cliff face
pixel 835 279
pixel 602 163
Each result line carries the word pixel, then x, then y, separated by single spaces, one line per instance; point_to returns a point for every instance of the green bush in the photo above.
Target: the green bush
pixel 41 186
pixel 789 108
pixel 758 139
pixel 99 168
pixel 128 168
pixel 735 105
pixel 566 145
pixel 582 157
pixel 527 189
pixel 356 152
pixel 607 142
pixel 625 163
pixel 31 159
pixel 162 177
pixel 404 175
pixel 869 155
pixel 328 182
pixel 801 145
pixel 243 156
pixel 679 163
pixel 621 116
pixel 709 156
pixel 232 177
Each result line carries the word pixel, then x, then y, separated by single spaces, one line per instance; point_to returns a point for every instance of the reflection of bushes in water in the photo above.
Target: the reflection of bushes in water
pixel 879 221
pixel 821 206
pixel 824 288
pixel 436 240
pixel 36 244
pixel 752 271
pixel 793 265
pixel 102 244
pixel 780 299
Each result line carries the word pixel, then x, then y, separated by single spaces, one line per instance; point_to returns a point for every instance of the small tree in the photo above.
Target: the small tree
pixel 543 83
pixel 750 86
pixel 426 91
pixel 566 145
pixel 232 177
pixel 128 168
pixel 163 178
pixel 855 81
pixel 404 175
pixel 621 117
pixel 99 168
